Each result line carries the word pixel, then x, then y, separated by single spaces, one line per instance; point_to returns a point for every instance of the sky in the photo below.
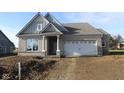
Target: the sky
pixel 112 22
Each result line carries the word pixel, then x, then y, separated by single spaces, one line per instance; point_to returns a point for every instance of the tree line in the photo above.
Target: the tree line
pixel 114 41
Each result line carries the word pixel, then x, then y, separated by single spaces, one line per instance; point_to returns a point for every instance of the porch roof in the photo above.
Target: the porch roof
pixel 50 29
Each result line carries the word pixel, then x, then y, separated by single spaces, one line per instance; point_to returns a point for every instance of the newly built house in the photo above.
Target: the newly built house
pixel 45 35
pixel 6 46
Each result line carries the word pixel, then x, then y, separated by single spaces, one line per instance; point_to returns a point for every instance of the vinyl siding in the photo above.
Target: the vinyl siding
pixel 32 28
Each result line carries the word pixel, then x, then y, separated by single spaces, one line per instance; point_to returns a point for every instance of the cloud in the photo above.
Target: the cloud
pixel 10 33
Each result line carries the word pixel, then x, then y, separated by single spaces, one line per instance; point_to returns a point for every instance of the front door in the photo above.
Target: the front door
pixel 52 45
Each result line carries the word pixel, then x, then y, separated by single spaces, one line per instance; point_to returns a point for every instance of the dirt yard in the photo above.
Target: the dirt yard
pixel 32 68
pixel 109 67
pixel 89 68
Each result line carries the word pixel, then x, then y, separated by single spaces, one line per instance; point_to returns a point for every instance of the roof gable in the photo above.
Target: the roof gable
pixel 50 28
pixel 55 22
pixel 31 25
pixel 4 41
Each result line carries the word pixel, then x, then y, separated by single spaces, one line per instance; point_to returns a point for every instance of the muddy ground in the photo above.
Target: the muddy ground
pixel 109 67
pixel 89 68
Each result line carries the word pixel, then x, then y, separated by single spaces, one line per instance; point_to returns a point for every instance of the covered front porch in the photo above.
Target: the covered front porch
pixel 51 45
pixel 51 40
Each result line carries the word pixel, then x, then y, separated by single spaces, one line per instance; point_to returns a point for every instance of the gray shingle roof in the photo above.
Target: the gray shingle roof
pixel 55 22
pixel 103 31
pixel 67 28
pixel 4 41
pixel 81 29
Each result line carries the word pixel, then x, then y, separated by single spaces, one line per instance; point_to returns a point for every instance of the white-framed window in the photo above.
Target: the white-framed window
pixel 32 44
pixel 39 27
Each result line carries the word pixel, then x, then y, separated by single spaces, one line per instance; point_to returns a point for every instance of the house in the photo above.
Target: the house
pixel 6 46
pixel 45 35
pixel 120 45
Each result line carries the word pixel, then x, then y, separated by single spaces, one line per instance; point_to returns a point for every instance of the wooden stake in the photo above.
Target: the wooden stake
pixel 19 70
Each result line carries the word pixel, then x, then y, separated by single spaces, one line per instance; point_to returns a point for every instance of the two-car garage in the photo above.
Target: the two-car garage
pixel 80 48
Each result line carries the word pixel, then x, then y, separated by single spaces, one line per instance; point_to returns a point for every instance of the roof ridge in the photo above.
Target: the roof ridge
pixel 102 31
pixel 77 23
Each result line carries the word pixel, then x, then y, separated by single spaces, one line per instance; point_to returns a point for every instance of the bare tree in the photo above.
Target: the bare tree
pixel 119 39
pixel 115 40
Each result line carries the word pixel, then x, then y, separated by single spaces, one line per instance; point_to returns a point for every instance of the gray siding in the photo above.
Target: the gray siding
pixel 6 46
pixel 32 28
pixel 105 39
pixel 22 43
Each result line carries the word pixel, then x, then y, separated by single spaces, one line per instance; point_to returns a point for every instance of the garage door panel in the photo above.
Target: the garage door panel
pixel 78 48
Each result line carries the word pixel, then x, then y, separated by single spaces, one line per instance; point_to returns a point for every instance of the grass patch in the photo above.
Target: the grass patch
pixel 116 52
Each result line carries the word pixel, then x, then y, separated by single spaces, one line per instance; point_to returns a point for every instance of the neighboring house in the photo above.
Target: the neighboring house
pixel 6 46
pixel 45 35
pixel 120 45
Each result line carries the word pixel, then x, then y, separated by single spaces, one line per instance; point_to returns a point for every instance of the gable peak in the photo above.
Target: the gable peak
pixel 55 22
pixel 38 12
pixel 47 14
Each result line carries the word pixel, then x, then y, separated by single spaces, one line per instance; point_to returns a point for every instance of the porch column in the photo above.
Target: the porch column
pixel 58 48
pixel 43 45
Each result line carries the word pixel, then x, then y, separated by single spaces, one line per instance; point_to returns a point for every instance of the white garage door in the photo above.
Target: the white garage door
pixel 79 48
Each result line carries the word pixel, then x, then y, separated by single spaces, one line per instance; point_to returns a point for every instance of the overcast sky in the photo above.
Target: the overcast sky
pixel 113 23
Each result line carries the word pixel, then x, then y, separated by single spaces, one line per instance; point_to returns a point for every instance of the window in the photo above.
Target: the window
pixel 76 42
pixel 39 27
pixel 103 44
pixel 3 50
pixel 90 42
pixel 72 42
pixel 94 42
pixel 85 41
pixel 32 45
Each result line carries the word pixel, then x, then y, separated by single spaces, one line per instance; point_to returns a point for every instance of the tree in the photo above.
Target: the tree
pixel 115 40
pixel 112 42
pixel 119 39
